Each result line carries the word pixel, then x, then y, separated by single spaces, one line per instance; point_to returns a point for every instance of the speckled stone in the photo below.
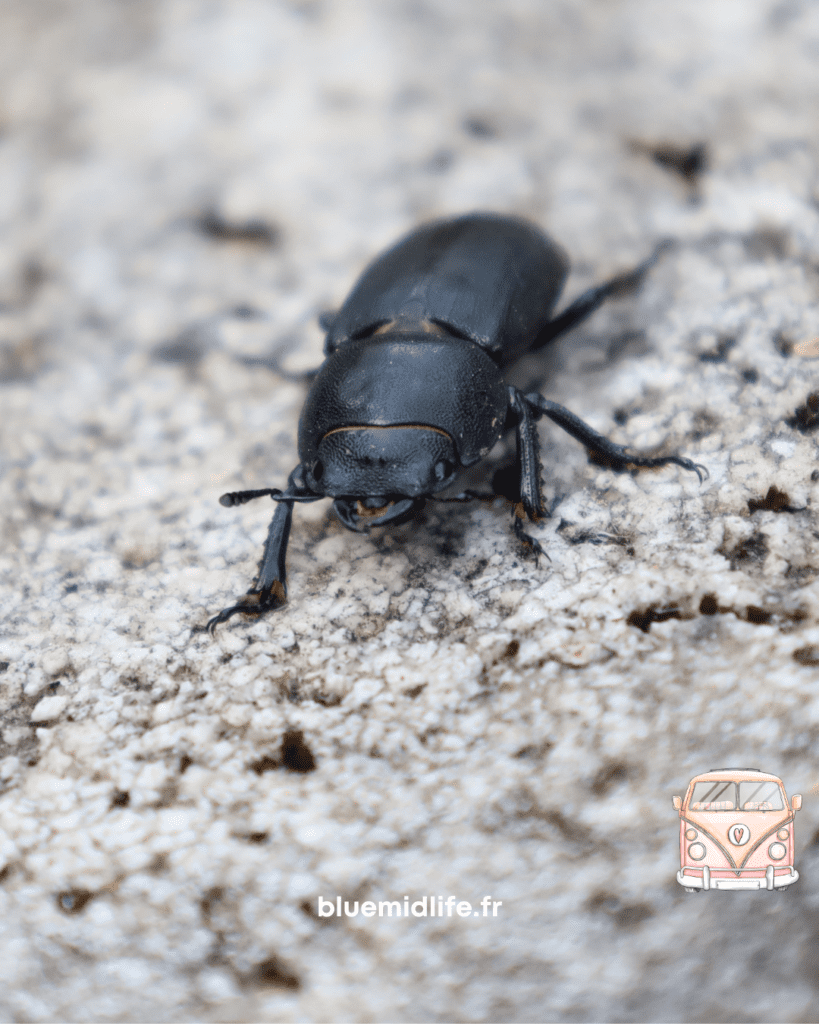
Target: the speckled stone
pixel 184 186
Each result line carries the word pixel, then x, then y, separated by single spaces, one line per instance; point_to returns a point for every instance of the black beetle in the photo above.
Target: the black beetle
pixel 413 387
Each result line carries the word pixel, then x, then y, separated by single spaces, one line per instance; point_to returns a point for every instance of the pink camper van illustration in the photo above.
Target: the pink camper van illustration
pixel 736 831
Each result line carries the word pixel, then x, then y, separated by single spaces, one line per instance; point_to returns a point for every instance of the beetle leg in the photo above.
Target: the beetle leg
pixel 590 300
pixel 528 442
pixel 603 450
pixel 269 589
pixel 526 538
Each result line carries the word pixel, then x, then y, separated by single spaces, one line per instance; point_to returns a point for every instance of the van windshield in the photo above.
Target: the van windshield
pixel 719 795
pixel 724 795
pixel 761 796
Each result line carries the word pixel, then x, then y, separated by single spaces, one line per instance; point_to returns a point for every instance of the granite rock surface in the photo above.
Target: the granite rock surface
pixel 184 187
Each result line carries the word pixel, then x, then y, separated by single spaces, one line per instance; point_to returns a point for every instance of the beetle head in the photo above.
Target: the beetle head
pixel 381 475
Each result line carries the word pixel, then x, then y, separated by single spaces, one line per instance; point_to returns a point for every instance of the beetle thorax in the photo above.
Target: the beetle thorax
pixel 411 399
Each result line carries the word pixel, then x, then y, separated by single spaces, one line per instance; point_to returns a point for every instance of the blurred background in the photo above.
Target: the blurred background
pixel 139 135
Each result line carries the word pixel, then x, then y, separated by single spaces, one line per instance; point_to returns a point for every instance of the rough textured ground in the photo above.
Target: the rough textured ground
pixel 183 186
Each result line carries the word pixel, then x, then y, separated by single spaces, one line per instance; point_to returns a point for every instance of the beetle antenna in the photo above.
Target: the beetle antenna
pixel 241 497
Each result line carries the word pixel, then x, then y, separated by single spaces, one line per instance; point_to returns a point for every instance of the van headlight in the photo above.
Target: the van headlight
pixel 696 851
pixel 776 851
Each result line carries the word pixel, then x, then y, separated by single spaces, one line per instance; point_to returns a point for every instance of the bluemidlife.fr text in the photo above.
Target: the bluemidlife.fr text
pixel 427 906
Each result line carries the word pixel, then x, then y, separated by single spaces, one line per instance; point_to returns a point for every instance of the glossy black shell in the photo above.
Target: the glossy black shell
pixel 408 378
pixel 490 279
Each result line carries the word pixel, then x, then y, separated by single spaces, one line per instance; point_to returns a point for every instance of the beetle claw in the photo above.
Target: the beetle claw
pixel 689 464
pixel 529 541
pixel 256 602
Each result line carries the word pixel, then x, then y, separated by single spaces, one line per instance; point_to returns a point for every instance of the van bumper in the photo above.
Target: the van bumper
pixel 699 878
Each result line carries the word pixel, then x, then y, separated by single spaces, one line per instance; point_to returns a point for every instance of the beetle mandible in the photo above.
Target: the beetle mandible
pixel 413 386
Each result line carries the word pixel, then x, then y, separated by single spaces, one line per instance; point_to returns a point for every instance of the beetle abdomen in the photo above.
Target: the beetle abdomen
pixel 494 280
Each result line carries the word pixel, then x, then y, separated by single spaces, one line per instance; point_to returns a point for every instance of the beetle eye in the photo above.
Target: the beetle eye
pixel 443 470
pixel 318 470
